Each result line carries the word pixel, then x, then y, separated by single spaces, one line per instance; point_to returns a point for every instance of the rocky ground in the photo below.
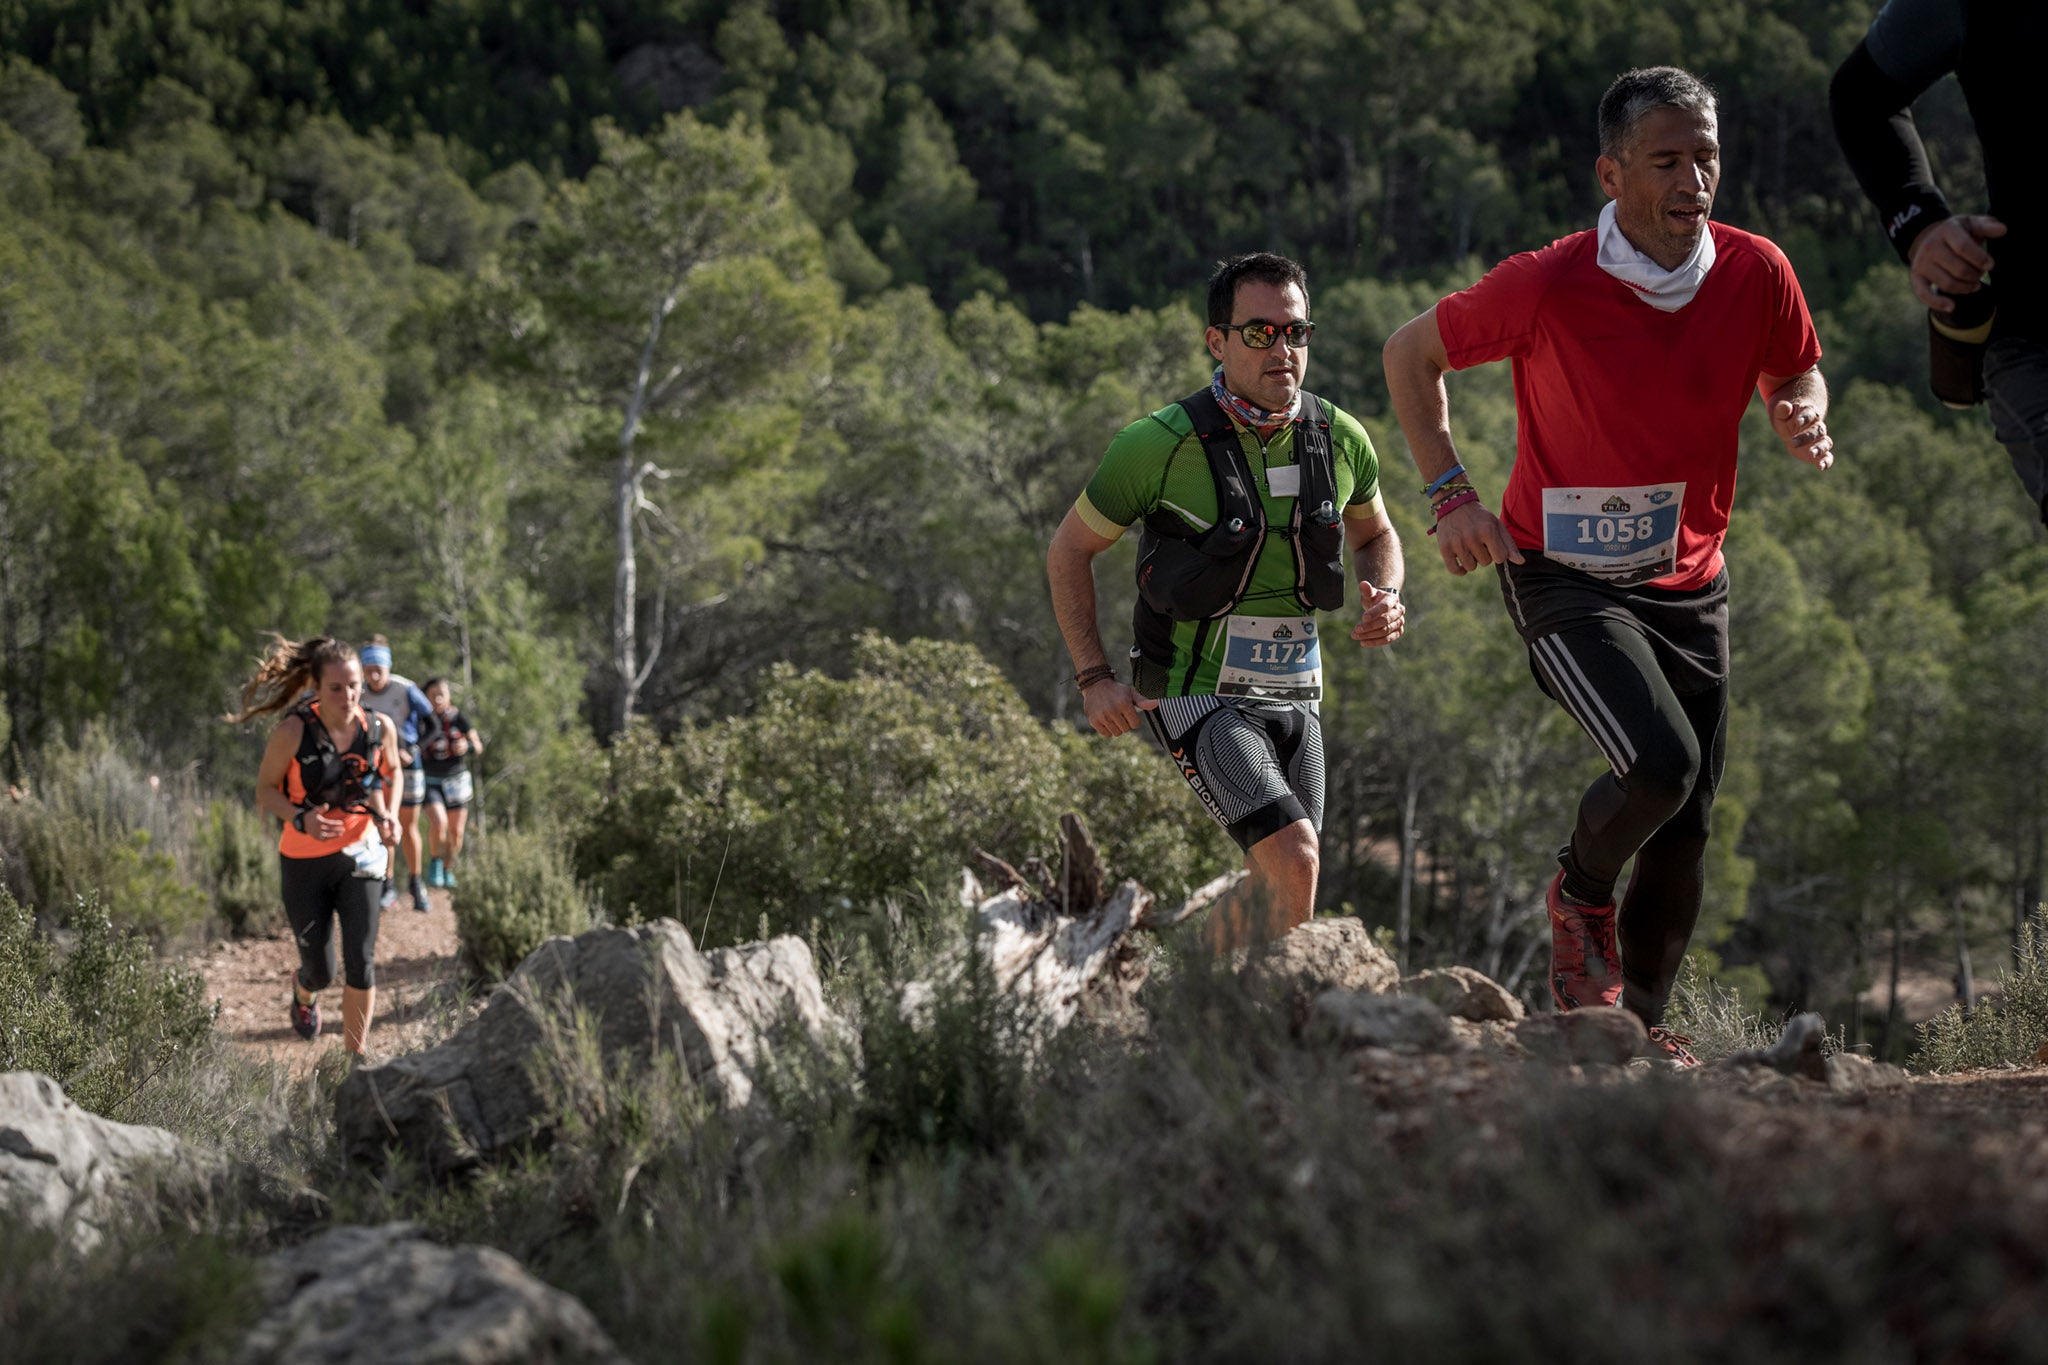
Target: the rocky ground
pixel 1811 1206
pixel 417 984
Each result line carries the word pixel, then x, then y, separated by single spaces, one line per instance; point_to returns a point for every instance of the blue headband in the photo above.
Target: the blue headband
pixel 375 656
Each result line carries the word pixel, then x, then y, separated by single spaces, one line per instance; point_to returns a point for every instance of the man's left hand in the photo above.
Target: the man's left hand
pixel 1804 432
pixel 1383 619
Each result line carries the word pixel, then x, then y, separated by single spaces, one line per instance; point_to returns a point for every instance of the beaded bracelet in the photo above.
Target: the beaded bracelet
pixel 1443 479
pixel 1449 505
pixel 1451 490
pixel 1087 678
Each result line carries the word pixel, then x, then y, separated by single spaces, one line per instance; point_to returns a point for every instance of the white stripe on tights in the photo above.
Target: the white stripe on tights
pixel 1584 702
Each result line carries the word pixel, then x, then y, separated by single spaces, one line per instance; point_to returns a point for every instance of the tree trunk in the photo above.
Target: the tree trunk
pixel 625 589
pixel 1856 961
pixel 626 481
pixel 1966 984
pixel 2030 894
pixel 1405 900
pixel 1891 1009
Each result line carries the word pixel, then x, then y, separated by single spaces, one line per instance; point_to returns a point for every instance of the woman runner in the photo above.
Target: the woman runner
pixel 327 773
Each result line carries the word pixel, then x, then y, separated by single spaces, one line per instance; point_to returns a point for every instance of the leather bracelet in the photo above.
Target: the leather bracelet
pixel 1087 678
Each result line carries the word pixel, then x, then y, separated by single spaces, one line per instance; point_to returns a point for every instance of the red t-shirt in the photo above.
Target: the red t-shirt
pixel 1627 416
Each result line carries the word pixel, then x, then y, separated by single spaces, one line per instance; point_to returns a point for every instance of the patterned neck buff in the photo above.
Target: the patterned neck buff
pixel 1245 412
pixel 1667 291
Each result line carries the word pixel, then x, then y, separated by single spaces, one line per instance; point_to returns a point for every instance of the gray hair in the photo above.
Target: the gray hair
pixel 1636 93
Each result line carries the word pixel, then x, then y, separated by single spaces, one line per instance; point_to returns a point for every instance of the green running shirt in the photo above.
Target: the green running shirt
pixel 1157 462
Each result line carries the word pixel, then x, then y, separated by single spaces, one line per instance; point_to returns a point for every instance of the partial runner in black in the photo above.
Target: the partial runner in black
pixel 1983 276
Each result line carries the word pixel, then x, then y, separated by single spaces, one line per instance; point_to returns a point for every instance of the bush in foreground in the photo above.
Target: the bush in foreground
pixel 831 796
pixel 103 1017
pixel 517 892
pixel 2007 1031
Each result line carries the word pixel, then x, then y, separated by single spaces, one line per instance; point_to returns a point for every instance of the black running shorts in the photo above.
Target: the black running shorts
pixel 1257 767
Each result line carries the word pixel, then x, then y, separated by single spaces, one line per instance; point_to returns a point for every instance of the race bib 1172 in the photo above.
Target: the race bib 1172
pixel 1276 658
pixel 1624 535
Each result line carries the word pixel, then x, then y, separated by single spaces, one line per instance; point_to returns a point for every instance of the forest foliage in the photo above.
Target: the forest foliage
pixel 632 361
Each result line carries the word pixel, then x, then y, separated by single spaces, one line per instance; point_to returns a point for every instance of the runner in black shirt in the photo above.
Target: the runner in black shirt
pixel 1995 48
pixel 449 790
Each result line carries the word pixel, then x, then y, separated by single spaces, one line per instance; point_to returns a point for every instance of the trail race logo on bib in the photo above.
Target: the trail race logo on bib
pixel 1623 535
pixel 1275 658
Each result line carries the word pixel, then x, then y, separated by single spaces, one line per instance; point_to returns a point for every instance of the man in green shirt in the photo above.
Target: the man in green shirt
pixel 1239 489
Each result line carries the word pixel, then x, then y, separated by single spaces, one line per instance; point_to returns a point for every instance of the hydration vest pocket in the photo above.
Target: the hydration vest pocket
pixel 1321 550
pixel 1190 578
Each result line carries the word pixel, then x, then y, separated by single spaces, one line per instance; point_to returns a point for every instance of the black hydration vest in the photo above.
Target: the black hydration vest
pixel 1186 573
pixel 328 776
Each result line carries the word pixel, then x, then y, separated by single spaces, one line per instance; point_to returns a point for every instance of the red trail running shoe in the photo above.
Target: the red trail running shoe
pixel 306 1017
pixel 1676 1047
pixel 1585 966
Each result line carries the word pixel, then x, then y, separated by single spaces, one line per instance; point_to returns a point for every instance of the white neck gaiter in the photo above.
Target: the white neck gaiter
pixel 1665 290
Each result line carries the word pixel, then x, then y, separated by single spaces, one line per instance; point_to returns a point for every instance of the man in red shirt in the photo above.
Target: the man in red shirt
pixel 1636 347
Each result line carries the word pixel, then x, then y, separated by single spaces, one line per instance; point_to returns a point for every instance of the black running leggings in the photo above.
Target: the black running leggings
pixel 1665 755
pixel 317 892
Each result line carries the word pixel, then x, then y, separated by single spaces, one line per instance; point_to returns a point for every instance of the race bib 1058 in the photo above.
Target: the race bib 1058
pixel 1624 535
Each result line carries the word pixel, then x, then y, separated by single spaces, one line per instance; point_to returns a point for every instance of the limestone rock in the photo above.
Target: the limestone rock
pixel 1798 1051
pixel 1322 955
pixel 1596 1036
pixel 1850 1074
pixel 1464 993
pixel 1494 1036
pixel 65 1167
pixel 387 1296
pixel 646 988
pixel 1350 1018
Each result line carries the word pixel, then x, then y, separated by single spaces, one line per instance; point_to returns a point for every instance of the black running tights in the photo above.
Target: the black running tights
pixel 317 893
pixel 1665 754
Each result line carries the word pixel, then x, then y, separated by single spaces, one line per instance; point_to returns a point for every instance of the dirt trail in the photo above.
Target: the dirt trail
pixel 417 982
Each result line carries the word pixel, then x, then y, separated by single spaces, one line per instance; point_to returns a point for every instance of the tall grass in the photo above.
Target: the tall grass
pixel 102 1017
pixel 2005 1031
pixel 158 852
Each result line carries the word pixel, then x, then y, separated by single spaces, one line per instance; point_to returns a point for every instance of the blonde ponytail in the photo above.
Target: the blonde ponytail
pixel 291 668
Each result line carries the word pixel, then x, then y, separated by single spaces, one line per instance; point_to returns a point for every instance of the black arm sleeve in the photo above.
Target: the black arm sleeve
pixel 1874 123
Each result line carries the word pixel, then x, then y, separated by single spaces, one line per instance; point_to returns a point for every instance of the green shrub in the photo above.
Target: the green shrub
pixel 2006 1031
pixel 1144 819
pixel 174 1295
pixel 948 1067
pixel 155 853
pixel 241 868
pixel 1713 1014
pixel 517 891
pixel 102 1017
pixel 834 795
